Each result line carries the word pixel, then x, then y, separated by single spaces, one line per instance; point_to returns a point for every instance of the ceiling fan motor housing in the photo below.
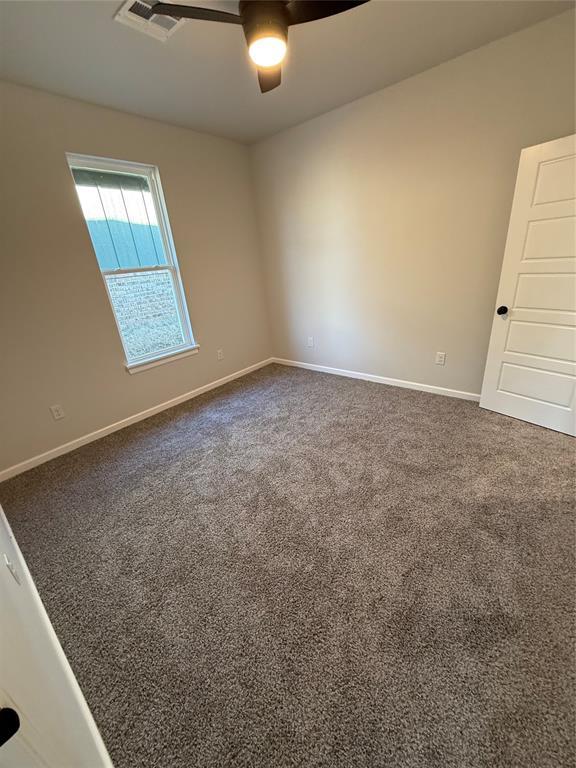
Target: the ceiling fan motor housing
pixel 265 24
pixel 264 18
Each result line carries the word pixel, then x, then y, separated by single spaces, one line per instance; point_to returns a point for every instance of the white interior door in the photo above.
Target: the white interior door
pixel 531 366
pixel 36 682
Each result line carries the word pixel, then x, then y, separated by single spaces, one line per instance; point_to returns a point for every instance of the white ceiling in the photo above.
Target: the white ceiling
pixel 201 77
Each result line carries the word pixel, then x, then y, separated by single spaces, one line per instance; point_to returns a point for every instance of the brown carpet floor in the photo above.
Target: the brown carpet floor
pixel 301 570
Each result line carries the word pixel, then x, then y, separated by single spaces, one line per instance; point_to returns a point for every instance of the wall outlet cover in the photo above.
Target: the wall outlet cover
pixel 57 412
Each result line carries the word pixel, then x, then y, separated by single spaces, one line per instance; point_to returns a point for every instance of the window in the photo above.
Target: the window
pixel 126 216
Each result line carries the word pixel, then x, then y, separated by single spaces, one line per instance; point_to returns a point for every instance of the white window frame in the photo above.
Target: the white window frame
pixel 152 175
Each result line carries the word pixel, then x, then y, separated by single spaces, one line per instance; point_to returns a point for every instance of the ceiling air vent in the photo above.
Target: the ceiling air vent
pixel 139 14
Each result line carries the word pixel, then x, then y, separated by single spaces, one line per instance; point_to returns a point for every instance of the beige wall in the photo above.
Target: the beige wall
pixel 58 339
pixel 383 222
pixel 382 228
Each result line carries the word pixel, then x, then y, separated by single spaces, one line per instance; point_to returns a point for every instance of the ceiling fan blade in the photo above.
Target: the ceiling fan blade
pixel 301 11
pixel 190 12
pixel 269 78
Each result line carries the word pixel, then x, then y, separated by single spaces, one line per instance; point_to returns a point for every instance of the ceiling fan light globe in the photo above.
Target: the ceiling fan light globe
pixel 267 51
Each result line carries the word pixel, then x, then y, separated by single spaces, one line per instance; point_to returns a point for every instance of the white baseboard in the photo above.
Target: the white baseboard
pixel 381 379
pixel 41 458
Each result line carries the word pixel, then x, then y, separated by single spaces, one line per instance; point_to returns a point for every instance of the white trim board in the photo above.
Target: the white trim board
pixel 59 680
pixel 381 379
pixel 41 458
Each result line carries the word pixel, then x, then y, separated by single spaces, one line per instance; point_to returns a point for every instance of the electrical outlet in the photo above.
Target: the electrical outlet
pixel 440 358
pixel 310 341
pixel 220 354
pixel 57 412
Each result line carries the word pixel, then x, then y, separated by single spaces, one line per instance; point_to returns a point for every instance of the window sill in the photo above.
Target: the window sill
pixel 160 360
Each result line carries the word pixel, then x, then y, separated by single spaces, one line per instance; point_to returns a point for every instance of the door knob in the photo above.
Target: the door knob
pixel 503 310
pixel 9 724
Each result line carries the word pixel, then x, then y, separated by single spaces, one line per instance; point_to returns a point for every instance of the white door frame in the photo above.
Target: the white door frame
pixel 57 729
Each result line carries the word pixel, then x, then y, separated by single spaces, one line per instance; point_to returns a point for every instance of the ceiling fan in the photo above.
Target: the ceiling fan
pixel 265 24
